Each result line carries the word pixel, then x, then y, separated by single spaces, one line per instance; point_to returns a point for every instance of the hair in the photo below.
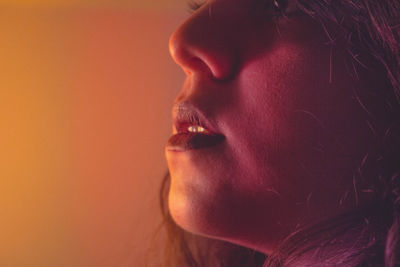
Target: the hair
pixel 371 29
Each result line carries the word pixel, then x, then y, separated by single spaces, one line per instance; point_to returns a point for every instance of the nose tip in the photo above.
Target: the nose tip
pixel 199 46
pixel 181 55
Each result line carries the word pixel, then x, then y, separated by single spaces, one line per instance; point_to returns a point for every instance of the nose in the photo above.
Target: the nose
pixel 202 44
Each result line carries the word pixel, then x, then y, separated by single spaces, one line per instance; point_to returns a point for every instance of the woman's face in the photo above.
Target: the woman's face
pixel 283 98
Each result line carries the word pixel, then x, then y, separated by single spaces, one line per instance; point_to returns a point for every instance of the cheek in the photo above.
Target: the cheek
pixel 272 89
pixel 290 113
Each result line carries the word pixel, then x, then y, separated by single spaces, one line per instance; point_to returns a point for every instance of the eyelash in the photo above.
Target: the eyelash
pixel 194 5
pixel 278 11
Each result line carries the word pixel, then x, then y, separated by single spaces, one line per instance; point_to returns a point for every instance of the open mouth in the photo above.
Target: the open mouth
pixel 193 137
pixel 192 129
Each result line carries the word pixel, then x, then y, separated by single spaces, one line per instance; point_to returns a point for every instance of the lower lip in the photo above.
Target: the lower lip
pixel 189 141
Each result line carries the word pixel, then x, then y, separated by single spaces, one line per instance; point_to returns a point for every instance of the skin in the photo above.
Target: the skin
pixel 283 98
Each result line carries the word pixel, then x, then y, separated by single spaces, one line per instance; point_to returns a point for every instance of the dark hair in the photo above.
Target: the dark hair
pixel 371 30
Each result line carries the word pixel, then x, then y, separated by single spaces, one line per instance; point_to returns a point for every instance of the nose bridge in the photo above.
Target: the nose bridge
pixel 203 44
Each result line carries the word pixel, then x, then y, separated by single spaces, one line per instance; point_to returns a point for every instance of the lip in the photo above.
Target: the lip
pixel 185 114
pixel 190 141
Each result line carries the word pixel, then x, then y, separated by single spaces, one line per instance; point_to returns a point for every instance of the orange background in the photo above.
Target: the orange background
pixel 86 91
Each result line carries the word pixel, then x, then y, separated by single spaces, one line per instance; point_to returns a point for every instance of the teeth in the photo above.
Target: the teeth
pixel 196 129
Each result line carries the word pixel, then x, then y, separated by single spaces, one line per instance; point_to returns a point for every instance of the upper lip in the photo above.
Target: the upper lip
pixel 185 114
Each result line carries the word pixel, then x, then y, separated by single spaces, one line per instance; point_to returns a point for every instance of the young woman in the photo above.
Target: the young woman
pixel 286 135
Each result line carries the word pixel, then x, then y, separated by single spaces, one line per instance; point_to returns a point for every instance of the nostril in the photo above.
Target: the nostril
pixel 198 66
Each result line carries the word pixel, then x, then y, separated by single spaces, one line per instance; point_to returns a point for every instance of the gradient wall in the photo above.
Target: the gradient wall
pixel 86 89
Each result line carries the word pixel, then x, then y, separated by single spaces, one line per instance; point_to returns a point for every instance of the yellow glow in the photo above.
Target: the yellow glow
pixel 78 179
pixel 137 4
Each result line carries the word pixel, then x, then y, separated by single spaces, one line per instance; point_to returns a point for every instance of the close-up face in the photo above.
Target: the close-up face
pixel 282 130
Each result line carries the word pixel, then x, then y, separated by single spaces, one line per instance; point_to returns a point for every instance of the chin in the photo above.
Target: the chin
pixel 194 214
pixel 221 216
pixel 215 223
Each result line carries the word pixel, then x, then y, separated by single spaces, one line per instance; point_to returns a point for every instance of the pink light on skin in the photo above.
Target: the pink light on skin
pixel 293 129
